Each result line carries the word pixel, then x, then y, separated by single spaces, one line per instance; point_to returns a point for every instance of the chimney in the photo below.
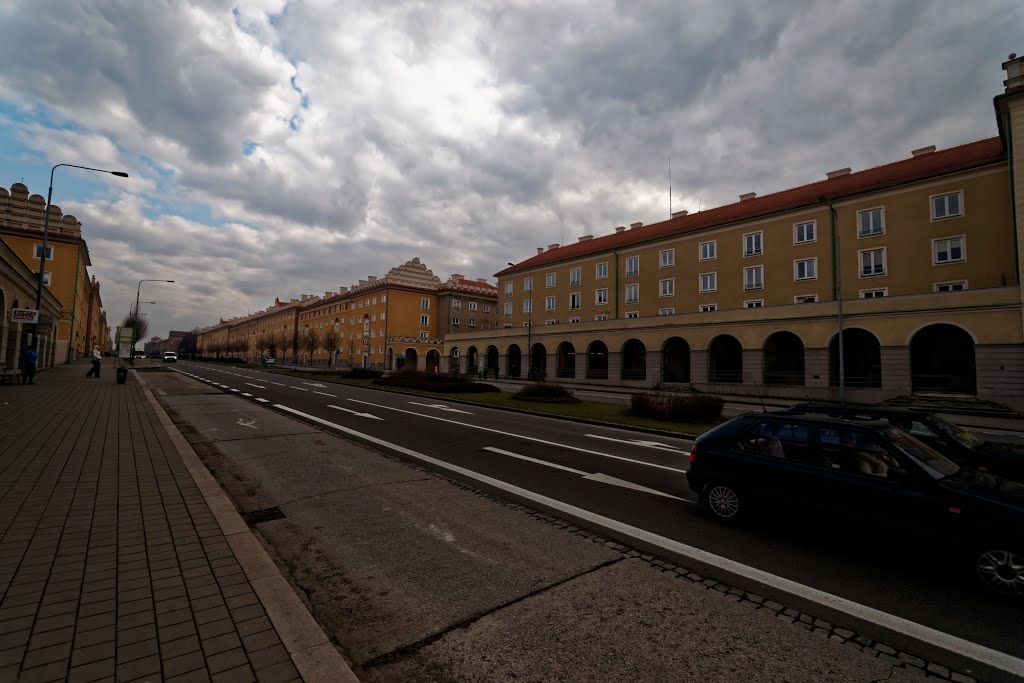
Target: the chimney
pixel 634 226
pixel 457 276
pixel 586 238
pixel 540 250
pixel 482 279
pixel 371 278
pixel 553 246
pixel 679 214
pixel 621 228
pixel 1014 67
pixel 838 172
pixel 921 151
pixel 342 290
pixel 749 195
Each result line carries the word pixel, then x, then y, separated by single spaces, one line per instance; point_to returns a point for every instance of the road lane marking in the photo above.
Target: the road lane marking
pixel 441 406
pixel 251 424
pixel 324 393
pixel 279 384
pixel 235 390
pixel 262 400
pixel 297 388
pixel 255 385
pixel 244 393
pixel 640 442
pixel 535 460
pixel 528 438
pixel 369 415
pixel 946 641
pixel 315 384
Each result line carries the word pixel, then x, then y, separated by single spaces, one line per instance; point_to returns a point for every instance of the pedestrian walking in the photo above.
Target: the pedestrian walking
pixel 96 357
pixel 28 365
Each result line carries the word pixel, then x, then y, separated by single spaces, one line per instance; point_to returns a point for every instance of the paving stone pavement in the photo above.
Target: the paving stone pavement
pixel 112 566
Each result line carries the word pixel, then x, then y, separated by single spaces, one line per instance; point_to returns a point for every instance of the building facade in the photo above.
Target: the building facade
pixel 18 290
pixel 918 262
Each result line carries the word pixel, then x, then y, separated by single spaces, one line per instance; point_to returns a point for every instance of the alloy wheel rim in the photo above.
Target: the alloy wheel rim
pixel 724 501
pixel 1002 570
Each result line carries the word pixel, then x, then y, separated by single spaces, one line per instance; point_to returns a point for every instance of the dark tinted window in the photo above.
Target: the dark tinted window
pixel 935 464
pixel 785 440
pixel 854 451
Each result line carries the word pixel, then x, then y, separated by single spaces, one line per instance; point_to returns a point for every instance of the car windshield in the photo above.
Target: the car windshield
pixel 931 461
pixel 956 431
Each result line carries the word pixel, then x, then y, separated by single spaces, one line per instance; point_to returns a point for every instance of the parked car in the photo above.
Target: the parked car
pixel 863 473
pixel 139 354
pixel 953 441
pixel 170 357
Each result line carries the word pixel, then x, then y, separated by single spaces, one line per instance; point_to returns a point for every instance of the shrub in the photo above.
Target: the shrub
pixel 676 406
pixel 428 381
pixel 361 373
pixel 545 393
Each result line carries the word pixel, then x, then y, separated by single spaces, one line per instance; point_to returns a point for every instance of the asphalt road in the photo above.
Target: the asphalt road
pixel 638 479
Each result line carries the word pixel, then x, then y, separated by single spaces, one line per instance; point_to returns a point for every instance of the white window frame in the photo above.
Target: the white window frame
pixel 550 279
pixel 632 314
pixel 472 305
pixel 455 320
pixel 666 258
pixel 860 263
pixel 935 250
pixel 753 303
pixel 942 195
pixel 575 301
pixel 714 281
pixel 796 232
pixel 633 293
pixel 860 232
pixel 600 316
pixel 707 308
pixel 424 320
pixel 549 303
pixel 472 322
pixel 509 288
pixel 712 247
pixel 599 294
pixel 574 320
pixel 598 267
pixel 37 251
pixel 47 277
pixel 487 308
pixel 667 287
pixel 632 266
pixel 666 311
pixel 424 304
pixel 550 322
pixel 937 285
pixel 796 269
pixel 528 283
pixel 508 310
pixel 760 241
pixel 753 288
pixel 424 335
pixel 456 303
pixel 528 307
pixel 575 276
pixel 863 294
pixel 813 297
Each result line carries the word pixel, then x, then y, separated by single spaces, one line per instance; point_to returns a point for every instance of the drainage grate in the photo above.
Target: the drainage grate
pixel 265 515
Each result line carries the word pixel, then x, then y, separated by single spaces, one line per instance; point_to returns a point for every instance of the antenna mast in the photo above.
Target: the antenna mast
pixel 670 186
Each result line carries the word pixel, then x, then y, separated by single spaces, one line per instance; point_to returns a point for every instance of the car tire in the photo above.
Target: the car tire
pixel 724 502
pixel 999 568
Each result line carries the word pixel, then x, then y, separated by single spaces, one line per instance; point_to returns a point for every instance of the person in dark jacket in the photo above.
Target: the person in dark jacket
pixel 29 357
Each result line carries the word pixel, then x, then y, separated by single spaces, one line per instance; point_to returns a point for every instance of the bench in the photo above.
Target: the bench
pixel 6 375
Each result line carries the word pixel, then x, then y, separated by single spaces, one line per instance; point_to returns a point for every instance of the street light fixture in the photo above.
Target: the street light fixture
pixel 529 333
pixel 42 257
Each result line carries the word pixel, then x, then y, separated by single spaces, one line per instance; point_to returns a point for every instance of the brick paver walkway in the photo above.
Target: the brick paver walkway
pixel 111 565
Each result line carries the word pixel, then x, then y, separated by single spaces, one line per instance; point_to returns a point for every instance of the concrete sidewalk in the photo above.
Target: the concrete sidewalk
pixel 118 561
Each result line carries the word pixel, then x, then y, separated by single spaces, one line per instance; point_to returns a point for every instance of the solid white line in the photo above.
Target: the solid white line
pixel 528 438
pixel 615 481
pixel 535 460
pixel 979 653
pixel 322 393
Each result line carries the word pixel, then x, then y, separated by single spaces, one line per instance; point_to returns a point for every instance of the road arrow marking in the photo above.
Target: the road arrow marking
pixel 251 424
pixel 640 442
pixel 440 406
pixel 369 415
pixel 535 460
pixel 615 481
pixel 255 385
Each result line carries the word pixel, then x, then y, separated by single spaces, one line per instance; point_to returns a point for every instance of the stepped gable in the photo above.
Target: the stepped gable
pixel 22 211
pixel 412 273
pixel 963 157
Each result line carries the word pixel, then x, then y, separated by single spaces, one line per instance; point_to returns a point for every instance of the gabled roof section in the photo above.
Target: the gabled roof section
pixel 963 157
pixel 480 286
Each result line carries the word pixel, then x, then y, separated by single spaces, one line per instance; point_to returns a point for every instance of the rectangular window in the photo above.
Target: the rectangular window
pixel 753 277
pixel 709 282
pixel 574 301
pixel 549 280
pixel 39 252
pixel 456 303
pixel 753 303
pixel 528 306
pixel 632 266
pixel 709 250
pixel 374 301
pixel 806 232
pixel 549 303
pixel 472 305
pixel 384 299
pixel 455 321
pixel 871 222
pixel 632 294
pixel 383 316
pixel 666 311
pixel 667 287
pixel 508 288
pixel 472 322
pixel 424 304
pixel 805 269
pixel 373 317
pixel 424 335
pixel 752 245
pixel 601 270
pixel 874 293
pixel 955 286
pixel 575 276
pixel 666 258
pixel 550 322
pixel 424 320
pixel 872 262
pixel 632 314
pixel 947 206
pixel 601 296
pixel 708 308
pixel 508 310
pixel 46 278
pixel 487 308
pixel 528 284
pixel 600 317
pixel 805 299
pixel 948 250
pixel 574 320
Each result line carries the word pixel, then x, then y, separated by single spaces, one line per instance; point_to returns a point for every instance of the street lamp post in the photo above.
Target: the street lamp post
pixel 42 257
pixel 529 333
pixel 135 321
pixel 837 276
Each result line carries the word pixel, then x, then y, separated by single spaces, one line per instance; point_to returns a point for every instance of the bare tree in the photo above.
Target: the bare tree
pixel 330 340
pixel 137 322
pixel 310 342
pixel 271 341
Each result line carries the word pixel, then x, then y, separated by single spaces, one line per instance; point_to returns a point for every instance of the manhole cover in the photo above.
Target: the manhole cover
pixel 265 515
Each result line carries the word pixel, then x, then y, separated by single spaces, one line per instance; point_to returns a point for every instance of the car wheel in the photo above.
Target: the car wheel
pixel 724 502
pixel 1000 569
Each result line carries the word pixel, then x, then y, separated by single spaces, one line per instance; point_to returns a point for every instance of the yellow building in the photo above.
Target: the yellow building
pixel 746 298
pixel 78 326
pixel 18 290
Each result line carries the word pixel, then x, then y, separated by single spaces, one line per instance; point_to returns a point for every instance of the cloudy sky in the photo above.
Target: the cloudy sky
pixel 279 147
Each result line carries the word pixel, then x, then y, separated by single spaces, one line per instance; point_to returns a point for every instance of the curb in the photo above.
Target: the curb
pixel 310 650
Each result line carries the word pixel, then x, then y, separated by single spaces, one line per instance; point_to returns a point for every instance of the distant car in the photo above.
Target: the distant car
pixel 953 441
pixel 139 354
pixel 863 475
pixel 170 357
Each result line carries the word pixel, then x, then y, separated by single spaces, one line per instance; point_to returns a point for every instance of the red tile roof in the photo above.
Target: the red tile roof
pixel 464 284
pixel 970 155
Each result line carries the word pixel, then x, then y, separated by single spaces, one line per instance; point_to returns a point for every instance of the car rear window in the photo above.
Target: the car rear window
pixel 931 461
